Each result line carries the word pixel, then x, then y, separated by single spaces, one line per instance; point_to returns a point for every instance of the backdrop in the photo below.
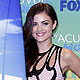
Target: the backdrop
pixel 12 61
pixel 68 31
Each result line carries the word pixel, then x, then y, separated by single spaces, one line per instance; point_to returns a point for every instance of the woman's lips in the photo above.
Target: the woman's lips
pixel 40 34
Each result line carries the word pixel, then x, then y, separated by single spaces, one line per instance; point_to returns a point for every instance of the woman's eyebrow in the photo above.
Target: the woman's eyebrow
pixel 41 21
pixel 34 22
pixel 45 21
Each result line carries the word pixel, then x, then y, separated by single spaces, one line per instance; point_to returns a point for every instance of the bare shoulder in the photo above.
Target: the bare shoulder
pixel 71 60
pixel 68 55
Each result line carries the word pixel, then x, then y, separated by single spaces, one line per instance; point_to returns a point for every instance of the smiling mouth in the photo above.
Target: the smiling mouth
pixel 40 34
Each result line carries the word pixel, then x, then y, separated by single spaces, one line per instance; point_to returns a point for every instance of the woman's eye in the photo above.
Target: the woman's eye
pixel 45 24
pixel 34 24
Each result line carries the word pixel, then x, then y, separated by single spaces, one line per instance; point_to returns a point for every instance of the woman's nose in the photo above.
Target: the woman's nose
pixel 39 27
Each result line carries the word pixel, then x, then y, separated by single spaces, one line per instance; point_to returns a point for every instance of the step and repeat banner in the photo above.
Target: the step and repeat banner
pixel 12 59
pixel 67 34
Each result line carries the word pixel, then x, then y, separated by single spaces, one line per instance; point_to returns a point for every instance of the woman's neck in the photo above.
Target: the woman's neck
pixel 44 46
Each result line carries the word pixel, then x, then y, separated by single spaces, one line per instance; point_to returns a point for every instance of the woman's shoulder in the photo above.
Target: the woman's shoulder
pixel 66 53
pixel 71 60
pixel 68 56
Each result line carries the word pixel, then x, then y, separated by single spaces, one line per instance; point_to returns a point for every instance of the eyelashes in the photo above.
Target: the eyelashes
pixel 35 24
pixel 45 23
pixel 42 23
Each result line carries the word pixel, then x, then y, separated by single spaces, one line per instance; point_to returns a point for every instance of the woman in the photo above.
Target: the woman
pixel 44 60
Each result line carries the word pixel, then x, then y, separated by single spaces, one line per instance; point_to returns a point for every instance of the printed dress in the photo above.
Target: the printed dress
pixel 47 72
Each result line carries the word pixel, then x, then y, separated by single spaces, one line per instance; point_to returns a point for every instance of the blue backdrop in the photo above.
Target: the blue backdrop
pixel 12 62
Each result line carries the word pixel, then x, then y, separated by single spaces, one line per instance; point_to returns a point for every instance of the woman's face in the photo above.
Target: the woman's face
pixel 42 27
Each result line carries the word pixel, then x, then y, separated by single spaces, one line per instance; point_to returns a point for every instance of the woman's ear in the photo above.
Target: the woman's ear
pixel 54 25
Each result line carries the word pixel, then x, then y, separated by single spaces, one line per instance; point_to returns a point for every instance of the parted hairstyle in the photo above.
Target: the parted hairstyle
pixel 30 45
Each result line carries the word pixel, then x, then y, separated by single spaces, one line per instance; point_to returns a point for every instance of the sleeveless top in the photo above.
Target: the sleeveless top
pixel 47 72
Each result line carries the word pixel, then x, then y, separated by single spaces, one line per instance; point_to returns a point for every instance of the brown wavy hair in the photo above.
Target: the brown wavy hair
pixel 30 45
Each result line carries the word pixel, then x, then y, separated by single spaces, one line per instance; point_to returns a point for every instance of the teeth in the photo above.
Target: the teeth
pixel 40 34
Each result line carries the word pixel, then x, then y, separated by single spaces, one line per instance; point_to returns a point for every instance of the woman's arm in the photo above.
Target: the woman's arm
pixel 72 61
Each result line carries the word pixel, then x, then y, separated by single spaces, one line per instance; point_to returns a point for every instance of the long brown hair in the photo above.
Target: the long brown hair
pixel 30 45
